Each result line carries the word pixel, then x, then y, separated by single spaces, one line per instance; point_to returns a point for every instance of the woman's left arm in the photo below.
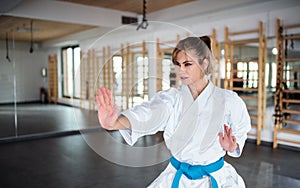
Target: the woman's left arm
pixel 235 134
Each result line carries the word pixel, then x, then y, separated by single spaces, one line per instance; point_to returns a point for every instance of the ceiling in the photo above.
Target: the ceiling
pixel 135 6
pixel 42 30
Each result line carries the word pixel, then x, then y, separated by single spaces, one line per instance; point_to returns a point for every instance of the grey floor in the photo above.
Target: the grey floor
pixel 68 160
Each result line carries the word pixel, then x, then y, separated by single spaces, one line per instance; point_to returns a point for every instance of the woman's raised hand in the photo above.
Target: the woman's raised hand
pixel 227 140
pixel 107 110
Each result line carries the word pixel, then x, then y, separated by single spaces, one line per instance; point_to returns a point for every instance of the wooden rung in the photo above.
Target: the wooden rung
pixel 236 70
pixel 291 111
pixel 291 26
pixel 244 89
pixel 241 79
pixel 252 134
pixel 248 97
pixel 290 141
pixel 252 71
pixel 292 70
pixel 291 131
pixel 253 125
pixel 252 116
pixel 290 121
pixel 237 79
pixel 290 60
pixel 291 91
pixel 243 32
pixel 242 42
pixel 249 107
pixel 291 101
pixel 291 37
pixel 245 60
pixel 292 80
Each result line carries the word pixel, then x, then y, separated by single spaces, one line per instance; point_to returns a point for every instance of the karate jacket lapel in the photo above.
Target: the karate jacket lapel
pixel 187 127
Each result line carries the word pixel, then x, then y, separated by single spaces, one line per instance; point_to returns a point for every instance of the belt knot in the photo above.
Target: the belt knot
pixel 193 172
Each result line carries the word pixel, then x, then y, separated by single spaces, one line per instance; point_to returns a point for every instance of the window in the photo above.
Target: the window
pixel 71 72
pixel 274 72
pixel 168 72
pixel 117 67
pixel 137 83
pixel 142 75
pixel 253 75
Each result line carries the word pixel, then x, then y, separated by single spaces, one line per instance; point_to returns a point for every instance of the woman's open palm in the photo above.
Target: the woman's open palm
pixel 107 110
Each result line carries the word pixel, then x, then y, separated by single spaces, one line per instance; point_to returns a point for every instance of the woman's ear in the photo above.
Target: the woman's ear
pixel 205 64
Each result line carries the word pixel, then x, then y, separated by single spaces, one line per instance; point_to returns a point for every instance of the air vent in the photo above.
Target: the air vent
pixel 129 20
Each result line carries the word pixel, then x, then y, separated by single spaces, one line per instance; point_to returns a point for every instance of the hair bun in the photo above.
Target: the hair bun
pixel 206 40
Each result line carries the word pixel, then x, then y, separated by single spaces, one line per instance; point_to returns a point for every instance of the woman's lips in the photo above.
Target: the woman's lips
pixel 183 78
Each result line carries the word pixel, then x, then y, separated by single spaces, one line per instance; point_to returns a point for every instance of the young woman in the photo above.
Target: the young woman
pixel 201 122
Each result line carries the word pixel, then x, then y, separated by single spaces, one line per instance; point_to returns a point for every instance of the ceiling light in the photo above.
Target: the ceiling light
pixel 144 24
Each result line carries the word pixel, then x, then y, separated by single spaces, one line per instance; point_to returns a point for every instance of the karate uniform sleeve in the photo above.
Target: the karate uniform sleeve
pixel 240 123
pixel 149 117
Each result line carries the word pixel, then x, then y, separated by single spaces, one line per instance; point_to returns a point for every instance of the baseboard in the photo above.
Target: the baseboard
pixel 270 144
pixel 37 136
pixel 21 102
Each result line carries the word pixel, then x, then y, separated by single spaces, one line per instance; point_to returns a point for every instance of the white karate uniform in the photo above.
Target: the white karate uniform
pixel 165 111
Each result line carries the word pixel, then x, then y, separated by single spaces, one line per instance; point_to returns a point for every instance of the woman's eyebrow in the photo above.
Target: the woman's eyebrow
pixel 186 62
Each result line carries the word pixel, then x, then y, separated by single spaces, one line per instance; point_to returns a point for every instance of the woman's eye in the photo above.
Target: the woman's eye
pixel 177 64
pixel 187 64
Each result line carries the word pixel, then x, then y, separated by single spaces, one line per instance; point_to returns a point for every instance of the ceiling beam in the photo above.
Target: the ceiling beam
pixel 68 12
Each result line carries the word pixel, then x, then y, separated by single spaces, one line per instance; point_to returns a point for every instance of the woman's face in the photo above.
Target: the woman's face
pixel 190 71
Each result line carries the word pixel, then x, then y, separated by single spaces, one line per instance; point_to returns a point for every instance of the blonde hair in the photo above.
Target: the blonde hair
pixel 200 46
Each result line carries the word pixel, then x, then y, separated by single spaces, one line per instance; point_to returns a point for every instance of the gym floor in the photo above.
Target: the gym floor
pixel 68 160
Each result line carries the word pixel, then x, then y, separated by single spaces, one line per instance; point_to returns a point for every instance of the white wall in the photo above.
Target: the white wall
pixel 26 73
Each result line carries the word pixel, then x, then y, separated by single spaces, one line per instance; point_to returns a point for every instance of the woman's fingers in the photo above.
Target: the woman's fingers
pixel 109 97
pixel 107 111
pixel 98 100
pixel 104 97
pixel 227 131
pixel 233 139
pixel 227 140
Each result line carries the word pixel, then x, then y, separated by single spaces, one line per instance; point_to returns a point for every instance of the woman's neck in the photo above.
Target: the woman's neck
pixel 197 88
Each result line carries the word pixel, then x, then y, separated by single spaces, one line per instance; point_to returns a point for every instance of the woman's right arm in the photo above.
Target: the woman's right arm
pixel 108 112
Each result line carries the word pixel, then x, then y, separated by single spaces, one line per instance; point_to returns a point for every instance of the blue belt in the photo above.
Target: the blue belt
pixel 194 172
